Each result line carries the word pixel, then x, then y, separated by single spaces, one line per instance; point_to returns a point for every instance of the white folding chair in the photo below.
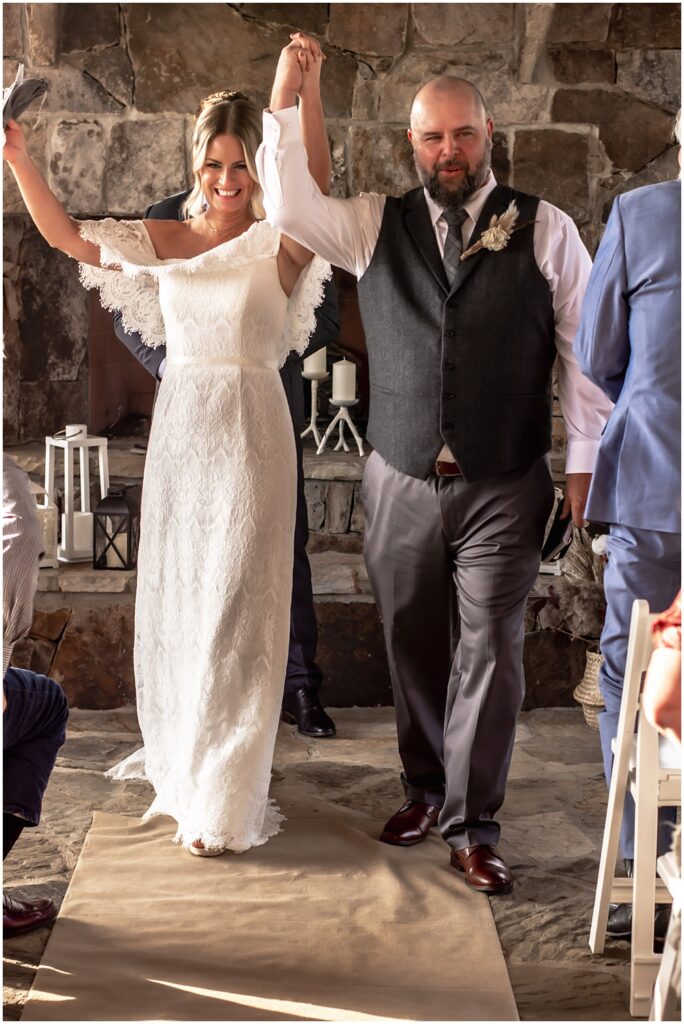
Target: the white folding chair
pixel 664 1005
pixel 637 770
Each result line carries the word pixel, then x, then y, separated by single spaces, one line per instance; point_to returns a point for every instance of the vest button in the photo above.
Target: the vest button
pixel 450 334
pixel 448 426
pixel 448 395
pixel 449 366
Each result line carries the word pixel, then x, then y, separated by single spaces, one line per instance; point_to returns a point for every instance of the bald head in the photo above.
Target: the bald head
pixel 443 90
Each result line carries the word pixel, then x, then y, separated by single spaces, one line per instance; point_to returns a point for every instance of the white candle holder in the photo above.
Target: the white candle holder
pixel 341 418
pixel 313 425
pixel 77 527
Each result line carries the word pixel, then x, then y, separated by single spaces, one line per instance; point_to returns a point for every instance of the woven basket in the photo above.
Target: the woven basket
pixel 587 693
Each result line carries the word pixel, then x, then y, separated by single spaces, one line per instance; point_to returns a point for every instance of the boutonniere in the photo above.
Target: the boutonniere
pixel 497 235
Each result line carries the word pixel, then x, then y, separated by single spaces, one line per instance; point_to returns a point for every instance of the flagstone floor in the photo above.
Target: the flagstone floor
pixel 553 821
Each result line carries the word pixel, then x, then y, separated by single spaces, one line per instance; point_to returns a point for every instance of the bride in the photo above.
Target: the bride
pixel 230 297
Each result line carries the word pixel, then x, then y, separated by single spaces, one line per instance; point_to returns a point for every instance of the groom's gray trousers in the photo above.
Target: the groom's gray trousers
pixel 451 564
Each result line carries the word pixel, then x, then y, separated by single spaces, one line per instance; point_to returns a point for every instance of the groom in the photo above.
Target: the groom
pixel 457 491
pixel 301 703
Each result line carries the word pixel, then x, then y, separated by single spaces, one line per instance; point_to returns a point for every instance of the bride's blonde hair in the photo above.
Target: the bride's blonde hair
pixel 225 113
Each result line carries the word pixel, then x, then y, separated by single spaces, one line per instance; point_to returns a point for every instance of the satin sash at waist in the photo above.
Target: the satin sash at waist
pixel 256 364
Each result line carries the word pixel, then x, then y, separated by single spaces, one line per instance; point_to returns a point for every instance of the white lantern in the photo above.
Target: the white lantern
pixel 77 527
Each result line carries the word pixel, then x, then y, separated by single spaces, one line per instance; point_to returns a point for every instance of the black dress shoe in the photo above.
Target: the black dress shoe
pixel 619 924
pixel 21 916
pixel 620 921
pixel 303 709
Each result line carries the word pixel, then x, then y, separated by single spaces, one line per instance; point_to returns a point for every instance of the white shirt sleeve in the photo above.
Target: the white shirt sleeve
pixel 565 263
pixel 343 231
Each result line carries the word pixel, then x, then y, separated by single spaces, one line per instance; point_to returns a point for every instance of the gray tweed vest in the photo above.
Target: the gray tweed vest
pixel 470 366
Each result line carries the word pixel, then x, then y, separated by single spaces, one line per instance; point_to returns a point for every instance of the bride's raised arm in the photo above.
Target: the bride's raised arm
pixel 55 225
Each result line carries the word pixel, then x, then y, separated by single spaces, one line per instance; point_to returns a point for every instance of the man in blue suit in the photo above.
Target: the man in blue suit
pixel 629 344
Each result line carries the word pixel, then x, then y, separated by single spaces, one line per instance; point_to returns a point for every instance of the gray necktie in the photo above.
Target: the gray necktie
pixel 453 247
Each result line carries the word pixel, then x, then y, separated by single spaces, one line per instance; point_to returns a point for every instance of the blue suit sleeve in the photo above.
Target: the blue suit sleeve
pixel 602 343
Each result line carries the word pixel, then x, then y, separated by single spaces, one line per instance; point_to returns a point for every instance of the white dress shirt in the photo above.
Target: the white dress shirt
pixel 345 231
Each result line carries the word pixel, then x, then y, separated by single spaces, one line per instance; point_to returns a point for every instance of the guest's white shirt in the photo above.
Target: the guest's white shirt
pixel 345 232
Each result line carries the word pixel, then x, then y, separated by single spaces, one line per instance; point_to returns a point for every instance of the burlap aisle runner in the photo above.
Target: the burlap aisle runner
pixel 321 923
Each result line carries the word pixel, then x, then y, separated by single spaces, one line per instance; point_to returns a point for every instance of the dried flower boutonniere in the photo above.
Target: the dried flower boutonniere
pixel 497 235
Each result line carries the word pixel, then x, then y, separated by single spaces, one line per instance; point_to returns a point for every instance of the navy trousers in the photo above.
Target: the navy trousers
pixel 642 564
pixel 302 669
pixel 34 728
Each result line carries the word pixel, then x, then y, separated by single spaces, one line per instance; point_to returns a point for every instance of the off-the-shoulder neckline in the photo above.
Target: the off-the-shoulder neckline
pixel 200 255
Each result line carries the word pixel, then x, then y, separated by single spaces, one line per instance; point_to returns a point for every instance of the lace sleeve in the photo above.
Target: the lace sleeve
pixel 301 308
pixel 127 283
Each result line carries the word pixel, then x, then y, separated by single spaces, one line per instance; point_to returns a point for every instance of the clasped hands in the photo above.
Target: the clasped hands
pixel 299 68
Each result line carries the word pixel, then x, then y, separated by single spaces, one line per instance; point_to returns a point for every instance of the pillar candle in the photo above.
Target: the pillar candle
pixel 344 381
pixel 83 531
pixel 113 560
pixel 315 364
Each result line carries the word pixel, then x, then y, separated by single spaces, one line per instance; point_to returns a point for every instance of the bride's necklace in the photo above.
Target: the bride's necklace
pixel 219 231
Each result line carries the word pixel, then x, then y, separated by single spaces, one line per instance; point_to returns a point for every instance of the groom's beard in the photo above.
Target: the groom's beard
pixel 472 180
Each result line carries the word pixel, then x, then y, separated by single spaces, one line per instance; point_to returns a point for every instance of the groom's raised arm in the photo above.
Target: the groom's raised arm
pixel 342 231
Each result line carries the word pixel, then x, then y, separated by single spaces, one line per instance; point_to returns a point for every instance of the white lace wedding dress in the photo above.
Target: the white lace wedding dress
pixel 217 521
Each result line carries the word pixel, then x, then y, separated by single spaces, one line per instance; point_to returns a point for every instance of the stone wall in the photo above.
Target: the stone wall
pixel 582 96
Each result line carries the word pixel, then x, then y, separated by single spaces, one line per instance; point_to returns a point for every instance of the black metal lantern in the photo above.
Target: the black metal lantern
pixel 116 529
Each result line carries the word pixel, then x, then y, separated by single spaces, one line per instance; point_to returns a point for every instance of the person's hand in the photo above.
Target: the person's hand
pixel 290 69
pixel 311 59
pixel 576 491
pixel 15 143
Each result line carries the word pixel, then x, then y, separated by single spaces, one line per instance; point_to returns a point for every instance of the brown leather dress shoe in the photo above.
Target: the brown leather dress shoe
pixel 410 825
pixel 19 916
pixel 484 870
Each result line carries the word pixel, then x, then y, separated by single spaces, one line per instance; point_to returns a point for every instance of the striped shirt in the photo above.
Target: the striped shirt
pixel 22 546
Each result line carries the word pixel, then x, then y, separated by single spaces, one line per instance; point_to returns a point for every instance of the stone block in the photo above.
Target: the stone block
pixel 54 325
pixel 647 25
pixel 632 132
pixel 579 65
pixel 49 625
pixel 363 29
pixel 511 103
pixel 351 654
pixel 72 91
pixel 337 84
pixel 42 22
pixel 367 93
pixel 10 373
pixel 45 407
pixel 338 501
pixel 381 160
pixel 315 503
pixel 399 86
pixel 94 660
pixel 357 520
pixel 34 654
pixel 333 573
pixel 87 26
pixel 501 163
pixel 35 132
pixel 464 24
pixel 565 183
pixel 134 174
pixel 580 23
pixel 12 30
pixel 168 82
pixel 307 17
pixel 338 153
pixel 110 68
pixel 87 580
pixel 77 166
pixel 652 75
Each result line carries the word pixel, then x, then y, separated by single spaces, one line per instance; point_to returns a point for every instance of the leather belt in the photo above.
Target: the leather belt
pixel 220 361
pixel 447 468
